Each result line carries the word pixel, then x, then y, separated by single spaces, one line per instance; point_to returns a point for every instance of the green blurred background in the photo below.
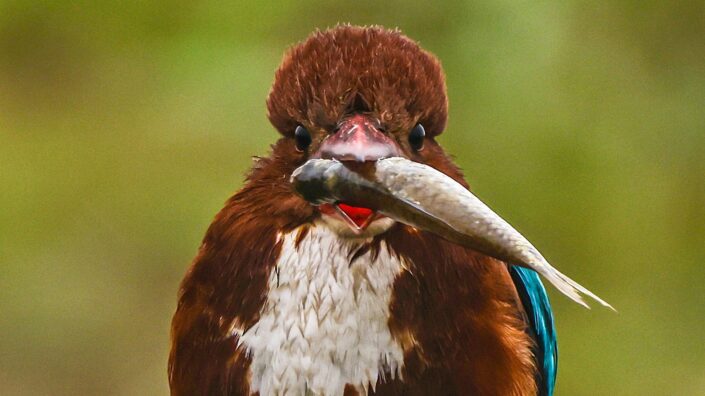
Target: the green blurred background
pixel 124 126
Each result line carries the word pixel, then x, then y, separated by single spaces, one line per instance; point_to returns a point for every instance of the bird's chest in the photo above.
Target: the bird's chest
pixel 324 323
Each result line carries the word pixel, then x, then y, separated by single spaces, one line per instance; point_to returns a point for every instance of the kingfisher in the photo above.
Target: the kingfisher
pixel 291 297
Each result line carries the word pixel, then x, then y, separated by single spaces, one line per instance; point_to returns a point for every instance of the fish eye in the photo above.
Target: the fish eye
pixel 416 137
pixel 302 137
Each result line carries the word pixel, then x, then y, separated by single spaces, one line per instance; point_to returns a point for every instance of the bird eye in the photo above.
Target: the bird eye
pixel 416 137
pixel 303 138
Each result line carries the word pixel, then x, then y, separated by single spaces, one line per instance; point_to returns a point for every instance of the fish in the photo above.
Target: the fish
pixel 424 198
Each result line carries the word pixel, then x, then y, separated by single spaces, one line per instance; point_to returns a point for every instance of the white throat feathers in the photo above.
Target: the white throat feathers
pixel 324 323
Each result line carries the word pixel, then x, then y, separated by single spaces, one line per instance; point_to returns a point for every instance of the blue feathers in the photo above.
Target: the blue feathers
pixel 538 310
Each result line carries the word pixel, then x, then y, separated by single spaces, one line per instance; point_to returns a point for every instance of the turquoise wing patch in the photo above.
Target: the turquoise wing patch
pixel 540 317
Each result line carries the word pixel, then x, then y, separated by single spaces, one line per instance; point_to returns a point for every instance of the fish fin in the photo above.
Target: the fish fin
pixel 567 286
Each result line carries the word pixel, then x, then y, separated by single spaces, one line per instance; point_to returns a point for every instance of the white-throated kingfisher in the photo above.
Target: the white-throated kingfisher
pixel 288 297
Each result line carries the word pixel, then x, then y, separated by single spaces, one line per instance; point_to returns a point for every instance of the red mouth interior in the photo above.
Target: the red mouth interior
pixel 360 217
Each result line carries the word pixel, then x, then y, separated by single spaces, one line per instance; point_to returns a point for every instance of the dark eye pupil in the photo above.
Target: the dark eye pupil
pixel 303 138
pixel 416 137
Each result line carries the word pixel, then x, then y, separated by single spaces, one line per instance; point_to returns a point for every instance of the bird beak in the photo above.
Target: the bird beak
pixel 358 142
pixel 422 197
pixel 358 138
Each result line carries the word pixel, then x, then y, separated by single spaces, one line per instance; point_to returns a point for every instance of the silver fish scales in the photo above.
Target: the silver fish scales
pixel 422 197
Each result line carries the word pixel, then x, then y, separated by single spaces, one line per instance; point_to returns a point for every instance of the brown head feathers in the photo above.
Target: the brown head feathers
pixel 355 69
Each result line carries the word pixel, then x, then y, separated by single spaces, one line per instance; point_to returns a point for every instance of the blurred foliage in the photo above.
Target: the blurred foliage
pixel 125 125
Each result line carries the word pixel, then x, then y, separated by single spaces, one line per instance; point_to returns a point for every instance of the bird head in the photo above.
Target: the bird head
pixel 358 95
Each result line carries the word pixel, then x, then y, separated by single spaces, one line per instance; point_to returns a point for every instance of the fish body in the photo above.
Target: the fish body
pixel 423 197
